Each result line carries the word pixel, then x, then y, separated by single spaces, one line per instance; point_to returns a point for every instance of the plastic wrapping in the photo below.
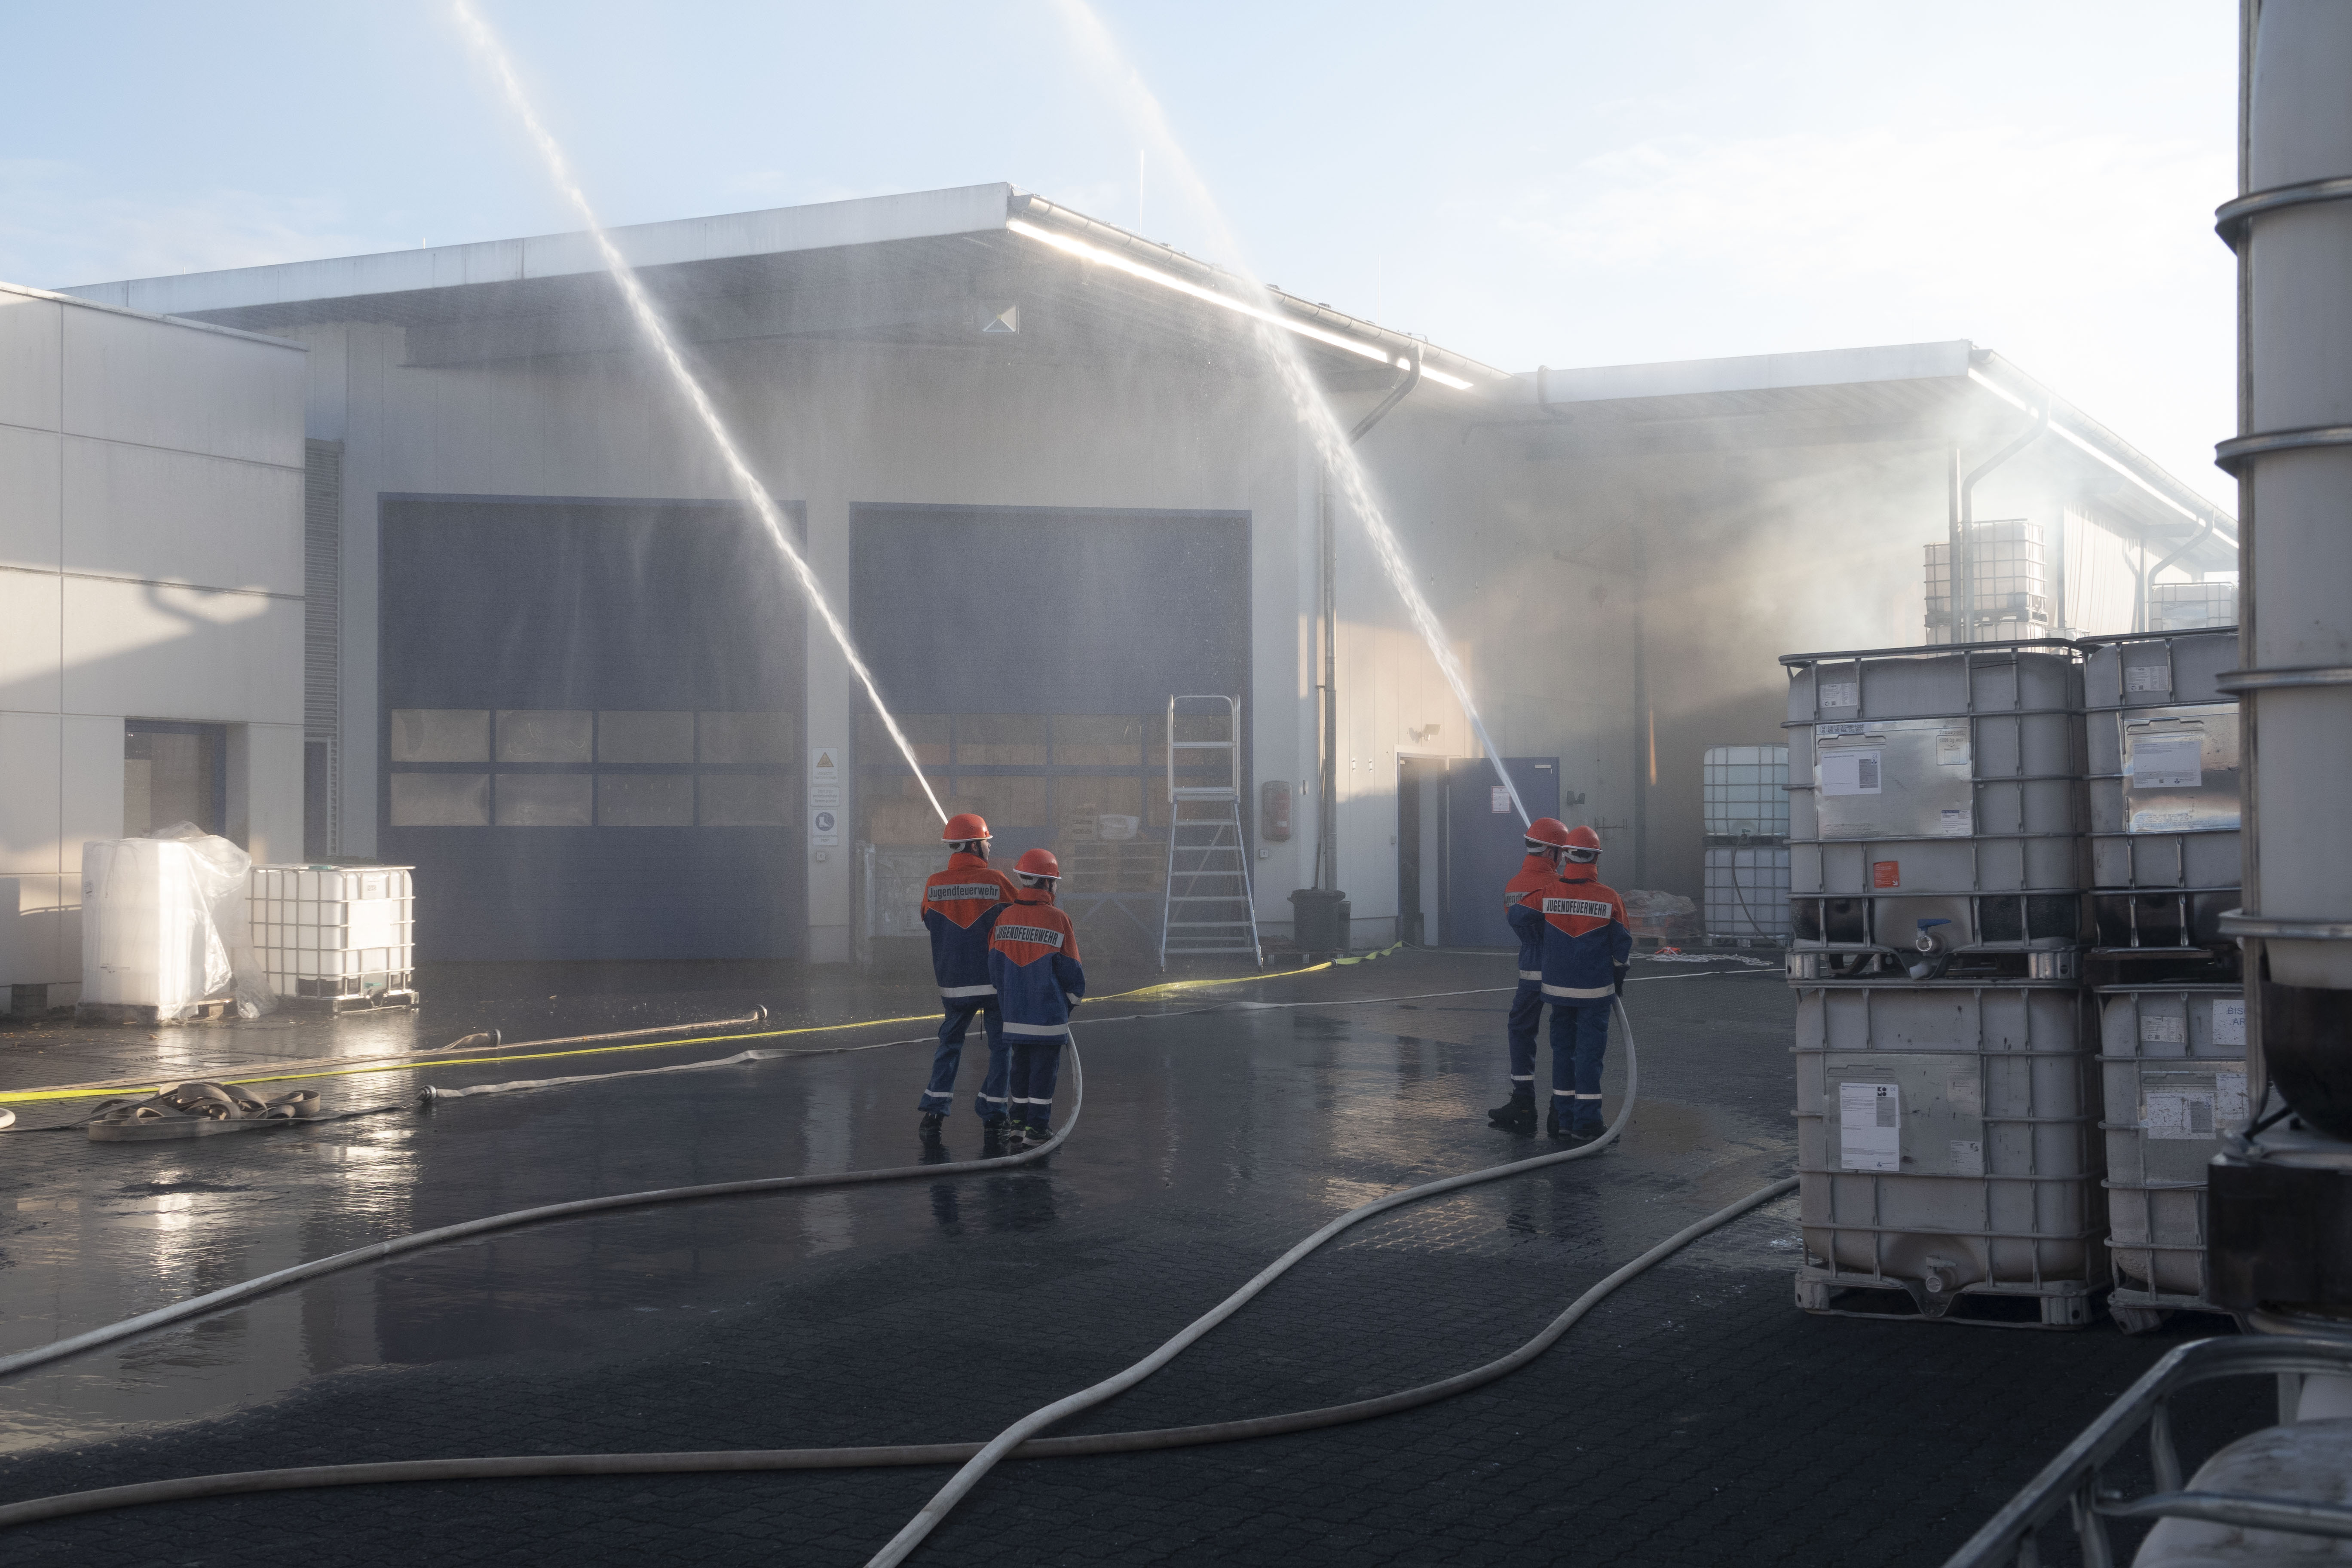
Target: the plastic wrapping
pixel 164 924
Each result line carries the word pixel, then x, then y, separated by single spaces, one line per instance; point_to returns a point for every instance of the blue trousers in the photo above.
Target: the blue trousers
pixel 1036 1065
pixel 1526 1012
pixel 1579 1039
pixel 939 1097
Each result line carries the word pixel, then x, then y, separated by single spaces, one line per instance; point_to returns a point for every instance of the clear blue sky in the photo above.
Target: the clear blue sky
pixel 1553 183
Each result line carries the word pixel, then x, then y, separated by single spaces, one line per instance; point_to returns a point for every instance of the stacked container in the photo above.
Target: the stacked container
pixel 341 936
pixel 2164 770
pixel 1746 793
pixel 1947 1144
pixel 2011 597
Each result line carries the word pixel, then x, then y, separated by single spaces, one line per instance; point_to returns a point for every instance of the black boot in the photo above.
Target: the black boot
pixel 1556 1124
pixel 1520 1116
pixel 929 1126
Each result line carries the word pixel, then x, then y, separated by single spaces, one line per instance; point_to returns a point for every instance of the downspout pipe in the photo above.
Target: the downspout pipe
pixel 1964 554
pixel 1405 383
pixel 1327 842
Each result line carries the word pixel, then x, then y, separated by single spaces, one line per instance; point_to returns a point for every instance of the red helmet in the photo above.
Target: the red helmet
pixel 1038 863
pixel 1547 833
pixel 1583 845
pixel 964 827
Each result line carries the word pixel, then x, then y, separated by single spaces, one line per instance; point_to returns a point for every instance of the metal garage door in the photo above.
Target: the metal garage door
pixel 1031 655
pixel 591 728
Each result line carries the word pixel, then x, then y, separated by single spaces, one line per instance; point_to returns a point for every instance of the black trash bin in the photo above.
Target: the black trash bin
pixel 1319 918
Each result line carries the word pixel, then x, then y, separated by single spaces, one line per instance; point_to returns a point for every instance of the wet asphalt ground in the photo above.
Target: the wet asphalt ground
pixel 1696 1417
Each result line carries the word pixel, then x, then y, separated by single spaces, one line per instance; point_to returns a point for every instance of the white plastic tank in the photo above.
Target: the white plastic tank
pixel 2173 1062
pixel 164 925
pixel 336 933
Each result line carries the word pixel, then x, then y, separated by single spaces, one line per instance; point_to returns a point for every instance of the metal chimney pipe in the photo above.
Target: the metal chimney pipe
pixel 2279 1196
pixel 2292 232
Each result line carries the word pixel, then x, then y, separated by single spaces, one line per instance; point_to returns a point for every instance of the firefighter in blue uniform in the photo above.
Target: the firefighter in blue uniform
pixel 1547 838
pixel 1586 950
pixel 1033 960
pixel 961 906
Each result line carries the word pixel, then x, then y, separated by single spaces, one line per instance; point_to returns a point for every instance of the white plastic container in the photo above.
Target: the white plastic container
pixel 2173 1058
pixel 336 933
pixel 1747 891
pixel 164 926
pixel 1976 1172
pixel 2164 779
pixel 1746 792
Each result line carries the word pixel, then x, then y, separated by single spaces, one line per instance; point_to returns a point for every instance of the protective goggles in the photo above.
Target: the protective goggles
pixel 1583 857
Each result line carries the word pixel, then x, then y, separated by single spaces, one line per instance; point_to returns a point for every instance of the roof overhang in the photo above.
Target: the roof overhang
pixel 1946 393
pixel 912 268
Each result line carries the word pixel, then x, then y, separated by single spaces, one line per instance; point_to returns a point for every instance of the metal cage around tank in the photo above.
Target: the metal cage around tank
pixel 1937 787
pixel 2164 752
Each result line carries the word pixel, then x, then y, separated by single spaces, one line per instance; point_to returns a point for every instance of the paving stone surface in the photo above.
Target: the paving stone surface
pixel 1694 1417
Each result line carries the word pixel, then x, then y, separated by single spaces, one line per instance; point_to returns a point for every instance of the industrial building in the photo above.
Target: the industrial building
pixel 152 598
pixel 1046 472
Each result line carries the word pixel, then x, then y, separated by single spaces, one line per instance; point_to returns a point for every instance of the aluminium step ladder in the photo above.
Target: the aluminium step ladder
pixel 1207 906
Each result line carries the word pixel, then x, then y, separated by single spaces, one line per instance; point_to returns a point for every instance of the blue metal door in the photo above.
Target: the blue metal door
pixel 1483 840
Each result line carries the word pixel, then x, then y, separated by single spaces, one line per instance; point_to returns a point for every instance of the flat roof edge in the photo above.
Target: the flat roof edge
pixel 27 290
pixel 864 220
pixel 1754 372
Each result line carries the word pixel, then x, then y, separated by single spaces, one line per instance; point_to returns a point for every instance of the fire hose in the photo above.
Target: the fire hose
pixel 976 1459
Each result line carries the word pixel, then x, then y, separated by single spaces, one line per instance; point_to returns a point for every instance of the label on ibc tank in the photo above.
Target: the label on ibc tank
pixel 1968 1156
pixel 2147 678
pixel 1886 873
pixel 1958 824
pixel 1870 1126
pixel 2229 1021
pixel 2175 762
pixel 2179 1113
pixel 2229 1097
pixel 2161 1029
pixel 1840 694
pixel 1850 772
pixel 1840 729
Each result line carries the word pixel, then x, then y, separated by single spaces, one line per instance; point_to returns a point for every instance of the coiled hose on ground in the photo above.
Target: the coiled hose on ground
pixel 1017 1441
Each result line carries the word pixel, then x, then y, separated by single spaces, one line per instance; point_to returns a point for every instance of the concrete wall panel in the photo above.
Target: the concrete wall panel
pixel 29 329
pixel 159 383
pixel 31 609
pixel 35 916
pixel 146 513
pixel 155 652
pixel 31 531
pixel 30 780
pixel 91 752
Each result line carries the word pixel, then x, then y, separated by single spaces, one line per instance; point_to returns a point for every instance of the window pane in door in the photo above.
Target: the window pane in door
pixel 545 734
pixel 440 800
pixel 644 800
pixel 545 800
pixel 440 735
pixel 644 737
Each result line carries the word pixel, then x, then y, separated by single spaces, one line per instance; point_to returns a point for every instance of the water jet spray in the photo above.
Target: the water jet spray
pixel 493 54
pixel 1332 442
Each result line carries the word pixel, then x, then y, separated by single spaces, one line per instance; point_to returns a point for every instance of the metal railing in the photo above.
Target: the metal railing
pixel 2072 1482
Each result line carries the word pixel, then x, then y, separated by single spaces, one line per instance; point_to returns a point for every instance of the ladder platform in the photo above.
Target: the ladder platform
pixel 1208 850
